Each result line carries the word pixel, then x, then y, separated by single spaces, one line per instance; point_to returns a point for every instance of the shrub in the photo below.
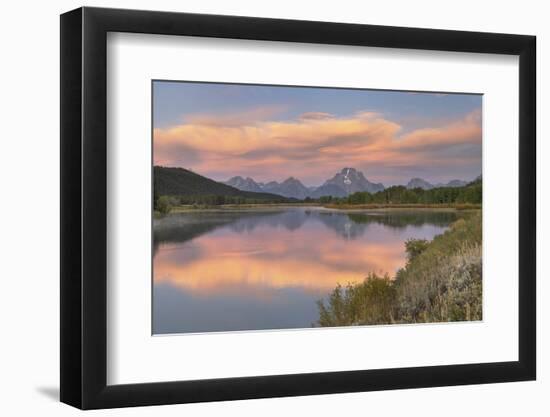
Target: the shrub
pixel 371 302
pixel 415 247
pixel 164 204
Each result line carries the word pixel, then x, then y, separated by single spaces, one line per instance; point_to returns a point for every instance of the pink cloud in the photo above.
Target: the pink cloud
pixel 310 147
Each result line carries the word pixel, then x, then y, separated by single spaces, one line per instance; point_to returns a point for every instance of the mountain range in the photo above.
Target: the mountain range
pixel 179 181
pixel 344 183
pixel 425 185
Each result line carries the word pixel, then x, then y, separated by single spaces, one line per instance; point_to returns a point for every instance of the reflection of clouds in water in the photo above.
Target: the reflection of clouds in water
pixel 290 249
pixel 262 270
pixel 243 253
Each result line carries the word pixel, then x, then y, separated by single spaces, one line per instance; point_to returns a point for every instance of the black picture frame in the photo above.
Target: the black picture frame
pixel 84 207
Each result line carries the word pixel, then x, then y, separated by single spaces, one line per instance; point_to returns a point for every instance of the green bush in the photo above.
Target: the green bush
pixel 415 247
pixel 371 302
pixel 164 204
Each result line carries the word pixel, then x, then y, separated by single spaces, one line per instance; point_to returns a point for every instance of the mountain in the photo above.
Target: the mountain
pixel 181 182
pixel 425 185
pixel 419 183
pixel 272 185
pixel 291 187
pixel 456 183
pixel 244 184
pixel 476 181
pixel 351 181
pixel 332 190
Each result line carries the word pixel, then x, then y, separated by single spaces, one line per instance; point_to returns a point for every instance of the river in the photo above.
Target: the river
pixel 257 269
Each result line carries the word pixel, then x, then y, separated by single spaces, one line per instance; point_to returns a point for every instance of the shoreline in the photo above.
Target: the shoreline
pixel 467 206
pixel 339 207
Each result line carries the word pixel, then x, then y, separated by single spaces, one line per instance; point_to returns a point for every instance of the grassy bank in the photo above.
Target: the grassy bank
pixel 181 208
pixel 441 281
pixel 194 207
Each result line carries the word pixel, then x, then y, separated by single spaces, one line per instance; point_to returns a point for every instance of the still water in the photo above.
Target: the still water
pixel 265 269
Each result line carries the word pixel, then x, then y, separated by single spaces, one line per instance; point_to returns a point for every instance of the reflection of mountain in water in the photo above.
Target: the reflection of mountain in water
pixel 186 226
pixel 289 219
pixel 406 218
pixel 342 224
pixel 181 227
pixel 353 225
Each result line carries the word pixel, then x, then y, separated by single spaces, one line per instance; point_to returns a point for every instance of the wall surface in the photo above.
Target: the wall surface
pixel 29 220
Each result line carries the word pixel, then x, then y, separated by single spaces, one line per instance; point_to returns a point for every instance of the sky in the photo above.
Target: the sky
pixel 270 133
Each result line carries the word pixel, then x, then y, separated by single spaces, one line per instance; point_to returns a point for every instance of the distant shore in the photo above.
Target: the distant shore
pixel 466 206
pixel 347 207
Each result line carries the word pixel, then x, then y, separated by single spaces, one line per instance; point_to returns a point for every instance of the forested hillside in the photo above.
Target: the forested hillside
pixel 189 187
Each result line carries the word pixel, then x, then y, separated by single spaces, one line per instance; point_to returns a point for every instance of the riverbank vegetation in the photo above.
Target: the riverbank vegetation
pixel 168 204
pixel 441 282
pixel 469 196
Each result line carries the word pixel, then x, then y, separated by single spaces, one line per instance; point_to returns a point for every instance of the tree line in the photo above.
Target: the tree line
pixel 163 204
pixel 399 194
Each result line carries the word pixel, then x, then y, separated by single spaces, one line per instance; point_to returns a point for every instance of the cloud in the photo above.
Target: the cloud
pixel 311 147
pixel 466 130
pixel 315 115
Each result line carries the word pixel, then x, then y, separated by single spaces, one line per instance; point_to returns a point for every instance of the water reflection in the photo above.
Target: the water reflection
pixel 247 270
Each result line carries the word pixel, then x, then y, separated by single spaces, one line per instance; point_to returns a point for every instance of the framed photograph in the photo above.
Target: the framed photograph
pixel 258 208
